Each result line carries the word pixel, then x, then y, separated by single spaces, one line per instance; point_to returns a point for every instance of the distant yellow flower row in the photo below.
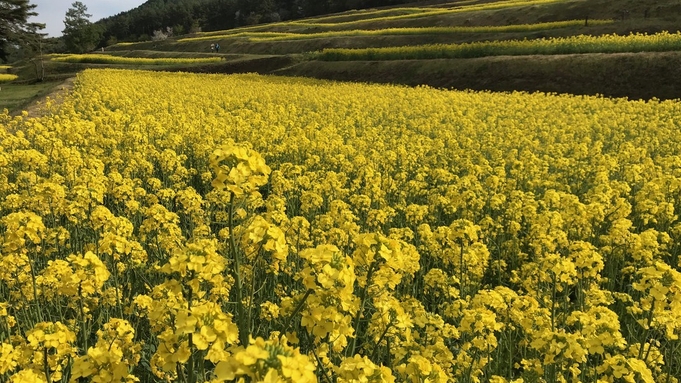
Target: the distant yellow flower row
pixel 7 77
pixel 427 30
pixel 108 59
pixel 226 34
pixel 660 42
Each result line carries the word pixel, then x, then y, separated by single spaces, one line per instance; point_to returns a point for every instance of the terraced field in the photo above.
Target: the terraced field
pixel 475 38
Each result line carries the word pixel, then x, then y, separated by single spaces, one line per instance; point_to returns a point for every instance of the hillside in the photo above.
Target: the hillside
pixel 507 45
pixel 184 16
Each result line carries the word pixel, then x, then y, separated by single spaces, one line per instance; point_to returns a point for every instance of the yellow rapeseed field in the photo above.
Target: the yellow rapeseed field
pixel 109 59
pixel 7 77
pixel 613 43
pixel 204 228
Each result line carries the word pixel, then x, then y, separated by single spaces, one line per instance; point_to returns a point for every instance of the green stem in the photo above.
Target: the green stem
pixel 510 344
pixel 461 270
pixel 319 362
pixel 192 377
pixel 118 299
pixel 296 311
pixel 645 335
pixel 244 335
pixel 376 346
pixel 363 298
pixel 553 303
pixel 180 373
pixel 47 366
pixel 83 320
pixel 645 359
pixel 35 290
pixel 251 297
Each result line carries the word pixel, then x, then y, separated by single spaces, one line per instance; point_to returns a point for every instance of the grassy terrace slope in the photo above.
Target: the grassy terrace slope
pixel 293 47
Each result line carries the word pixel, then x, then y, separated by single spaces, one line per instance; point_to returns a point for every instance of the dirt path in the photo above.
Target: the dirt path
pixel 36 108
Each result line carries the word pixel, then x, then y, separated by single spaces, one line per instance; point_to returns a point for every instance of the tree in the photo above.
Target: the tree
pixel 80 35
pixel 15 30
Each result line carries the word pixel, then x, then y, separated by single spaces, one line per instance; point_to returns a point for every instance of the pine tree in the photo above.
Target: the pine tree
pixel 15 29
pixel 80 35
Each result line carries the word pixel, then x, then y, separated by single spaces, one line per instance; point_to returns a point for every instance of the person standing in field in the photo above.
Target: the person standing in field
pixel 212 48
pixel 217 47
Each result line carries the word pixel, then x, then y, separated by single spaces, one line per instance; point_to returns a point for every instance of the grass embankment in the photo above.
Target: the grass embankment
pixel 352 20
pixel 413 13
pixel 16 96
pixel 283 36
pixel 661 42
pixel 633 75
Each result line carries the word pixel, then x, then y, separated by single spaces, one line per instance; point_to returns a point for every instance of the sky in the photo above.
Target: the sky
pixel 52 12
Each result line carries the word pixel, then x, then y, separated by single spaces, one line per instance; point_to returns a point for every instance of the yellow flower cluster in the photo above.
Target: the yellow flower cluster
pixel 4 77
pixel 111 357
pixel 96 58
pixel 271 229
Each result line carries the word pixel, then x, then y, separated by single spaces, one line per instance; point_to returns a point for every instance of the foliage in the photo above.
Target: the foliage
pixel 15 28
pixel 80 35
pixel 635 42
pixel 162 35
pixel 178 227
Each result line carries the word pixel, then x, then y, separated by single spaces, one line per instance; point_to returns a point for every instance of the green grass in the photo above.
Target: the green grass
pixel 16 96
pixel 416 12
pixel 633 75
pixel 429 30
pixel 661 42
pixel 431 12
pixel 365 15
